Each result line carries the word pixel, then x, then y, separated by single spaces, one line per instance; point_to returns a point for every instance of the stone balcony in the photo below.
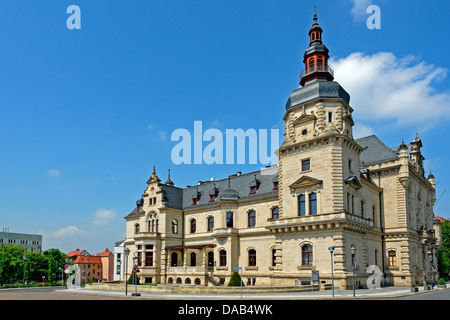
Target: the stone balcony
pixel 319 222
pixel 196 270
pixel 147 235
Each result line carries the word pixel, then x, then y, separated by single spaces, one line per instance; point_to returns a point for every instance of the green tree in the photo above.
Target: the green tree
pixel 444 251
pixel 55 260
pixel 11 263
pixel 235 280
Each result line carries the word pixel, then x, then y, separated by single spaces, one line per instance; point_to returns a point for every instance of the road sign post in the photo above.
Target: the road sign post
pixel 134 271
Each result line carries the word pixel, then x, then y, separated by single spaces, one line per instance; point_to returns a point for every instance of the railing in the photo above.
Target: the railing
pixel 320 218
pixel 147 234
pixel 317 68
pixel 189 270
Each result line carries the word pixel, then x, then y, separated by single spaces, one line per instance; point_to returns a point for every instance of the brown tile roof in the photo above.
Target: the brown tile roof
pixel 74 253
pixel 88 259
pixel 105 253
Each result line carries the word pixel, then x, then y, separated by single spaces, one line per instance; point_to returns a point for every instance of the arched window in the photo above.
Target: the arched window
pixel 193 226
pixel 187 281
pixel 137 228
pixel 252 258
pixel 174 259
pixel 320 64
pixel 392 258
pixel 153 223
pixel 197 281
pixel 230 220
pixel 193 259
pixel 251 218
pixel 275 213
pixel 311 65
pixel 307 255
pixel 174 226
pixel 210 223
pixel 222 258
pixel 313 203
pixel 210 259
pixel 301 205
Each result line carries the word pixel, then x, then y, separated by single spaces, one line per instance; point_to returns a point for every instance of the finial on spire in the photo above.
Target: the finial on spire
pixel 315 15
pixel 154 170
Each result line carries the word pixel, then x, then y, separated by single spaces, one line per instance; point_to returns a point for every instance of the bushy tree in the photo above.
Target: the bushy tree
pixel 444 251
pixel 13 268
pixel 235 280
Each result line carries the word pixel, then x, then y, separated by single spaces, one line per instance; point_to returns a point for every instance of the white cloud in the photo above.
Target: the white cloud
pixel 67 231
pixel 104 216
pixel 359 8
pixel 361 130
pixel 162 135
pixel 53 173
pixel 384 87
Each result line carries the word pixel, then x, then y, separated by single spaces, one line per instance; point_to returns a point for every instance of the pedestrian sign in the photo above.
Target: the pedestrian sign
pixel 135 269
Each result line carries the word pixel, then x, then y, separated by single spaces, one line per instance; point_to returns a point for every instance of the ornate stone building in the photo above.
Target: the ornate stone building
pixel 328 190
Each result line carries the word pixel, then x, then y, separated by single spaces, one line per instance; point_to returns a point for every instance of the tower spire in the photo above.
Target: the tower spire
pixel 316 56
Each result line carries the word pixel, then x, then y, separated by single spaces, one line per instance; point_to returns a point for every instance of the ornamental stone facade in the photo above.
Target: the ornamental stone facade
pixel 327 190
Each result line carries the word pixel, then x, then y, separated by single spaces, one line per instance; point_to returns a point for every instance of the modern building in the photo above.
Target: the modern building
pixel 30 242
pixel 119 261
pixel 371 203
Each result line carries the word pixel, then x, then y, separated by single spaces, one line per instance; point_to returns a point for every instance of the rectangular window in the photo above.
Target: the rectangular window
pixel 195 201
pixel 313 203
pixel 149 259
pixel 212 198
pixel 330 116
pixel 253 189
pixel 275 185
pixel 301 205
pixel 392 258
pixel 229 219
pixel 306 165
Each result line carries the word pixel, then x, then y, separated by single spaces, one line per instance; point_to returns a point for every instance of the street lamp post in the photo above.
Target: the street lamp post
pixel 24 259
pixel 126 252
pixel 332 278
pixel 353 251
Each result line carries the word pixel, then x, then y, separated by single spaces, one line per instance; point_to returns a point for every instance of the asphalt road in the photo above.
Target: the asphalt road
pixel 50 293
pixel 55 293
pixel 432 295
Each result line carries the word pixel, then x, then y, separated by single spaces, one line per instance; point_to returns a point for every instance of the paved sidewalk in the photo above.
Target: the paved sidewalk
pixel 382 293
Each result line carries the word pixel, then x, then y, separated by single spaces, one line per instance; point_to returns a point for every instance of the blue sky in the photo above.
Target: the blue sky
pixel 85 114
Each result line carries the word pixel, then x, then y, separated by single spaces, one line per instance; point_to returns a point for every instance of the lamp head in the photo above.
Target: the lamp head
pixel 353 249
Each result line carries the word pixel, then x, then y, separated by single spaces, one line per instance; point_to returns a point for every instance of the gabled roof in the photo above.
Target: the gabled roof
pixel 305 181
pixel 105 253
pixel 78 252
pixel 88 259
pixel 233 188
pixel 374 151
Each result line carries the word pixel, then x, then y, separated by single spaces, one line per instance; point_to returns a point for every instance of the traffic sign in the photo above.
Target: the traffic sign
pixel 66 266
pixel 237 268
pixel 135 269
pixel 66 271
